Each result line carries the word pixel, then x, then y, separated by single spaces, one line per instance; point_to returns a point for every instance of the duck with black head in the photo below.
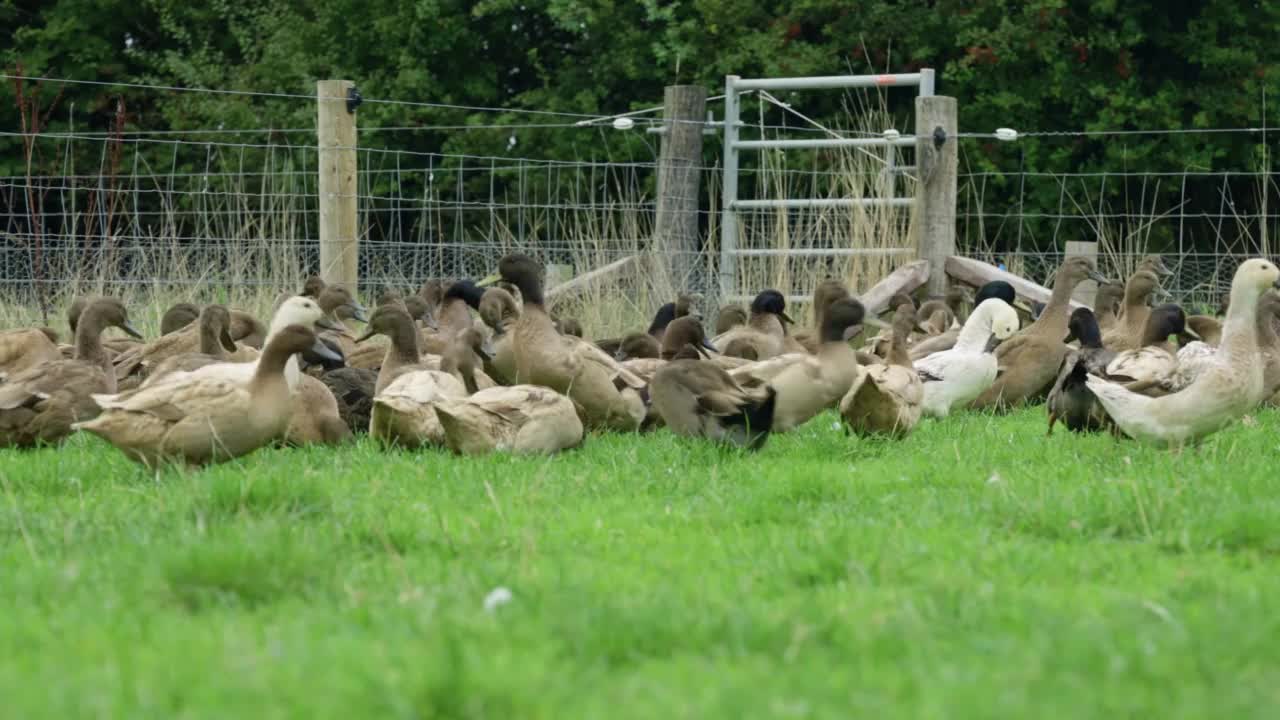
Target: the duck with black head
pixel 609 396
pixel 1151 368
pixel 40 404
pixel 765 333
pixel 998 289
pixel 1070 399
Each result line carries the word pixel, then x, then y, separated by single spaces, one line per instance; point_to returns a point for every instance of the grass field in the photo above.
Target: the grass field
pixel 975 569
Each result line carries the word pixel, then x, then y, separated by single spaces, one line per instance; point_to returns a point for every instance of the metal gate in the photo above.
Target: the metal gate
pixel 731 205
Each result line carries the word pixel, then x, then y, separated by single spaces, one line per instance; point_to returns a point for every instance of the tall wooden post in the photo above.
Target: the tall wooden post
pixel 1087 291
pixel 336 128
pixel 675 227
pixel 937 159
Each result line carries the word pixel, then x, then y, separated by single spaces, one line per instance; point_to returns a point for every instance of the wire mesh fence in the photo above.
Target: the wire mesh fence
pixel 239 207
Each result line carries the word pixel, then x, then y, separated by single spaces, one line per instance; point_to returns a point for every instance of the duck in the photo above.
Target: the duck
pixel 21 350
pixel 1197 356
pixel 214 344
pixel 568 326
pixel 521 419
pixel 499 311
pixel 818 382
pixel 682 332
pixel 1029 360
pixel 729 317
pixel 608 395
pixel 1127 333
pixel 934 318
pixel 887 399
pixel 1207 328
pixel 338 305
pixel 134 366
pixel 247 330
pixel 178 316
pixel 953 378
pixel 646 344
pixel 116 345
pixel 1106 304
pixel 353 391
pixel 1152 366
pixel 402 354
pixel 209 415
pixel 827 292
pixel 947 340
pixel 1070 398
pixel 404 411
pixel 764 334
pixel 696 398
pixel 40 404
pixel 1219 395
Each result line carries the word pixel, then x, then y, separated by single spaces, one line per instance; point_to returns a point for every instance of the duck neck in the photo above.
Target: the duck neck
pixel 89 341
pixel 210 342
pixel 768 323
pixel 1057 313
pixel 404 346
pixel 976 330
pixel 898 354
pixel 1266 329
pixel 1239 330
pixel 271 371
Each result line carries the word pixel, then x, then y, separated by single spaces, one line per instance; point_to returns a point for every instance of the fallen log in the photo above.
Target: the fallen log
pixel 905 279
pixel 977 273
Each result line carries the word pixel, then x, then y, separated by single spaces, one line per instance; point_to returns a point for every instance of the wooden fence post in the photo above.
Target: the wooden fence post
pixel 936 162
pixel 336 130
pixel 675 225
pixel 1086 291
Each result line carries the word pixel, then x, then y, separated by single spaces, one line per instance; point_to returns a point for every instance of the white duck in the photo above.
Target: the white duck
pixel 1221 394
pixel 955 377
pixel 297 310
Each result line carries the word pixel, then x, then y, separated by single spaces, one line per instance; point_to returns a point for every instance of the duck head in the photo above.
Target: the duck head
pixel 108 312
pixel 526 274
pixel 313 286
pixel 686 339
pixel 498 308
pixel 336 298
pixel 771 302
pixel 995 289
pixel 467 291
pixel 1083 326
pixel 216 320
pixel 842 320
pixel 178 316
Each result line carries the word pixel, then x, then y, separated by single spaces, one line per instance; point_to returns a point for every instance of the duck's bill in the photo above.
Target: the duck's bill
pixel 486 350
pixel 328 324
pixel 786 318
pixel 1098 277
pixel 993 342
pixel 358 312
pixel 322 350
pixel 228 343
pixel 706 345
pixel 131 330
pixel 852 332
pixel 365 336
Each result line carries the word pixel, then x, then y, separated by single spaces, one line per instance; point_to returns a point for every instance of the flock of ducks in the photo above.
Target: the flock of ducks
pixel 483 369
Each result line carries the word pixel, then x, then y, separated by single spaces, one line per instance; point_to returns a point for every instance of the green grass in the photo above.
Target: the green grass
pixel 975 569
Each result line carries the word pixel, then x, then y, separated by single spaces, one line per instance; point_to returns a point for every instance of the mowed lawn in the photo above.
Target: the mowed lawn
pixel 976 569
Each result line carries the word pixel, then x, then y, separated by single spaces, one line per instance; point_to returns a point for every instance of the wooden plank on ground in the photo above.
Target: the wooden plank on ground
pixel 585 279
pixel 905 279
pixel 977 273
